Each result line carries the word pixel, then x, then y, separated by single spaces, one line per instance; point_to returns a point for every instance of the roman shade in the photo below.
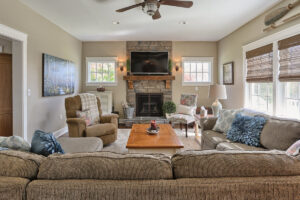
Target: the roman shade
pixel 289 59
pixel 260 64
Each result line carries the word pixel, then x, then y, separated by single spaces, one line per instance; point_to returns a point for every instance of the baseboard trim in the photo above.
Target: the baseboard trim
pixel 60 132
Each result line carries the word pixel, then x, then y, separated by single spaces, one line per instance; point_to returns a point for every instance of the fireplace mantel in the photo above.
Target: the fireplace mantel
pixel 132 78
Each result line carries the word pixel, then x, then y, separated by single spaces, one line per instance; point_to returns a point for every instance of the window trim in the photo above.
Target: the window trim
pixel 197 59
pixel 277 87
pixel 101 59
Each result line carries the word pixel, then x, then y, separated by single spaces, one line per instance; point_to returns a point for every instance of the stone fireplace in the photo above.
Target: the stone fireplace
pixel 149 104
pixel 147 94
pixel 147 88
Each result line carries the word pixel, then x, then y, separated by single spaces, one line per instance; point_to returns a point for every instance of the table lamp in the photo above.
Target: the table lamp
pixel 217 92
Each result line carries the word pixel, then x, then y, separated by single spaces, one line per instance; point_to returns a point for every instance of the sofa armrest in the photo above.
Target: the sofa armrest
pixel 208 123
pixel 110 118
pixel 76 127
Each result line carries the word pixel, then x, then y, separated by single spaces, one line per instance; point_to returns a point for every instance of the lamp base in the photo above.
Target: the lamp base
pixel 216 107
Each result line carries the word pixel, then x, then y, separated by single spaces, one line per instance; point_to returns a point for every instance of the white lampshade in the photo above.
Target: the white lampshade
pixel 217 92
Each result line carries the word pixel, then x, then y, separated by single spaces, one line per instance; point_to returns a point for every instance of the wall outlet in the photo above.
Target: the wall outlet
pixel 196 88
pixel 29 92
pixel 1 49
pixel 61 116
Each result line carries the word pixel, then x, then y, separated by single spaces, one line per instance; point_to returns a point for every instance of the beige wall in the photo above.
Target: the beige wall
pixel 43 37
pixel 180 49
pixel 6 45
pixel 193 49
pixel 106 49
pixel 230 49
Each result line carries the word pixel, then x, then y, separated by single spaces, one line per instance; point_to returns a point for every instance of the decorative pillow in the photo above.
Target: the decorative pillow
pixel 186 110
pixel 86 115
pixel 3 149
pixel 45 144
pixel 246 129
pixel 225 120
pixel 188 100
pixel 15 143
pixel 294 149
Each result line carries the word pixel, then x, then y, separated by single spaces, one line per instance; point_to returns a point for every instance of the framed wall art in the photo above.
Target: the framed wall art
pixel 58 76
pixel 228 73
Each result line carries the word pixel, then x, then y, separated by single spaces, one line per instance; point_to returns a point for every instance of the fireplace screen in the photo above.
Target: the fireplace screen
pixel 148 104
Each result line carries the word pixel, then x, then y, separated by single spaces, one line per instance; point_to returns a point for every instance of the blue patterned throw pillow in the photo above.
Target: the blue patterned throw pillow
pixel 246 129
pixel 45 144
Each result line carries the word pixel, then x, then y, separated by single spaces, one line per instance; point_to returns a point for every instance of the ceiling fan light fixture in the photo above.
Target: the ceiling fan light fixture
pixel 150 8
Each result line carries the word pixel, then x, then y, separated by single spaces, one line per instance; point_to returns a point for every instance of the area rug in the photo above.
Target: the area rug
pixel 119 146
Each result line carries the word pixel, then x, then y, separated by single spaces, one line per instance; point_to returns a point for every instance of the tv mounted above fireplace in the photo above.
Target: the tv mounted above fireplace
pixel 149 63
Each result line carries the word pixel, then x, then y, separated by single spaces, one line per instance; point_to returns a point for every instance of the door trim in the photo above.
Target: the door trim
pixel 19 46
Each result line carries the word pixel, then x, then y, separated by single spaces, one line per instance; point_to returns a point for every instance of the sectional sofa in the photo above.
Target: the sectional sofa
pixel 278 133
pixel 190 175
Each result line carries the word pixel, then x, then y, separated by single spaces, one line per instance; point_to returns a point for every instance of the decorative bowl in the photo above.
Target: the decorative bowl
pixel 152 132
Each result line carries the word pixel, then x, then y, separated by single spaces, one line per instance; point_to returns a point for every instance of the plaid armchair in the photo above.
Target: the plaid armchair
pixel 106 130
pixel 188 100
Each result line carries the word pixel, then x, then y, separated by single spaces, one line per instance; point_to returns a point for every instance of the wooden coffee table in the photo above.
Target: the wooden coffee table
pixel 166 141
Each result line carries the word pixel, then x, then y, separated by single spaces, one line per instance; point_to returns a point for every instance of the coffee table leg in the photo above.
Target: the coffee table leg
pixel 186 130
pixel 196 129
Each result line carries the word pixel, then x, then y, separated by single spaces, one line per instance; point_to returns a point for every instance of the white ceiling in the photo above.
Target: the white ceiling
pixel 91 20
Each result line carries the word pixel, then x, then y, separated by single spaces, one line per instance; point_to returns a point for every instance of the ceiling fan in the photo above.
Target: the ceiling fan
pixel 151 7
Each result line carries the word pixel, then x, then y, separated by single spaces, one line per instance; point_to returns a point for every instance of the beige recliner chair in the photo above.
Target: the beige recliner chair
pixel 106 130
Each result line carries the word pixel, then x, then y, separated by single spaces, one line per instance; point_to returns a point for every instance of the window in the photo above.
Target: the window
pixel 291 100
pixel 261 97
pixel 272 82
pixel 197 70
pixel 259 78
pixel 101 70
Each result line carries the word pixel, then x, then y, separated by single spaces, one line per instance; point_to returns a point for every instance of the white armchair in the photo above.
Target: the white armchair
pixel 185 112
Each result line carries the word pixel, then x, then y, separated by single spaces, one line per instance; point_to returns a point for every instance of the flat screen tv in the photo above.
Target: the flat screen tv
pixel 149 63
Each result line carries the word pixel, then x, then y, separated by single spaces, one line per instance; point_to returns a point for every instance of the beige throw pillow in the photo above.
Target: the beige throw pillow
pixel 86 115
pixel 186 110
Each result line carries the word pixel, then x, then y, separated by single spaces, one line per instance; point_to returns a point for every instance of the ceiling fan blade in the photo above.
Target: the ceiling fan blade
pixel 183 4
pixel 156 15
pixel 130 7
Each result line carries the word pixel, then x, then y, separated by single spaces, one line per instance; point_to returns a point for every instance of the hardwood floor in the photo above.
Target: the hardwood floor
pixel 6 95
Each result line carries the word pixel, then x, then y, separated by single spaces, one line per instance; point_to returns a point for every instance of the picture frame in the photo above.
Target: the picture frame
pixel 58 76
pixel 228 73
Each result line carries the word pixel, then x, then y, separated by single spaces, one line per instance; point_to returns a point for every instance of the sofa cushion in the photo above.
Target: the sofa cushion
pixel 211 139
pixel 225 120
pixel 13 188
pixel 212 163
pixel 209 123
pixel 81 144
pixel 246 129
pixel 246 188
pixel 19 164
pixel 100 130
pixel 106 166
pixel 223 146
pixel 280 134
